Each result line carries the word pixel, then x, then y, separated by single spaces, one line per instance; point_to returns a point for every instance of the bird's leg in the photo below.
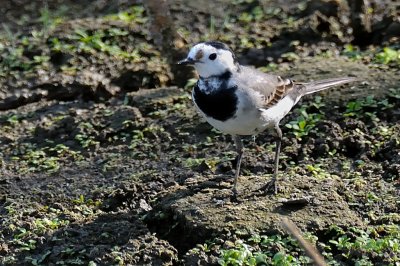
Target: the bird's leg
pixel 239 149
pixel 272 184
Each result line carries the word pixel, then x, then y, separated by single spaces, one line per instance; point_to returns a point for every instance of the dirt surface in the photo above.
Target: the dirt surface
pixel 104 161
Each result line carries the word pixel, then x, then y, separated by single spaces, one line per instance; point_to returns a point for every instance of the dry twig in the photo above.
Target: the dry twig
pixel 310 250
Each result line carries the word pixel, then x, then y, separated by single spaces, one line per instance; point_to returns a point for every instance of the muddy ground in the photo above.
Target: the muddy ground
pixel 104 160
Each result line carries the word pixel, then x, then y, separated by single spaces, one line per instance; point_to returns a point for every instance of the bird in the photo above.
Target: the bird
pixel 243 101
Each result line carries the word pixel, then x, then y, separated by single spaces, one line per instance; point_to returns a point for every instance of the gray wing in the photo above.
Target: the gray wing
pixel 272 87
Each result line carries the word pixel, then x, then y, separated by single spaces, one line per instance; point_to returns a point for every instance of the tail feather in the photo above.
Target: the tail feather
pixel 325 84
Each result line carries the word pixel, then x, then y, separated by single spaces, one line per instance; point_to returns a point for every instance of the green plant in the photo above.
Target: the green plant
pixel 90 202
pixel 49 158
pixel 63 151
pixel 210 162
pixel 269 68
pixel 13 119
pixel 387 56
pixel 49 20
pixel 394 93
pixel 42 225
pixel 38 160
pixel 256 14
pixel 352 52
pixel 39 260
pixel 240 255
pixel 94 41
pixel 147 133
pixel 367 106
pixel 86 207
pixel 307 118
pixel 362 245
pixel 29 244
pixel 134 14
pixel 13 58
pixel 264 250
pixel 304 123
pixel 283 259
pixel 85 136
pixel 318 171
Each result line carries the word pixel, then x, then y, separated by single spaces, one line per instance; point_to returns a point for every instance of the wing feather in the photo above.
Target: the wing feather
pixel 281 90
pixel 272 87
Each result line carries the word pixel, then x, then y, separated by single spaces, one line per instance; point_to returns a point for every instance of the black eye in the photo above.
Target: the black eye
pixel 213 56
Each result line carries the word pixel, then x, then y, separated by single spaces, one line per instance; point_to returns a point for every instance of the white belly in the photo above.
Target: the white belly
pixel 240 125
pixel 251 121
pixel 273 115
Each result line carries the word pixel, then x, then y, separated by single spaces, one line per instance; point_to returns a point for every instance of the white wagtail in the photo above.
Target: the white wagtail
pixel 240 100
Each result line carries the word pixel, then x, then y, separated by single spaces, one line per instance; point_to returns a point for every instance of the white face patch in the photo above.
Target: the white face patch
pixel 207 67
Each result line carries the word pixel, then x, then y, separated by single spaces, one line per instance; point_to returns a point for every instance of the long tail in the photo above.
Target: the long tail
pixel 320 85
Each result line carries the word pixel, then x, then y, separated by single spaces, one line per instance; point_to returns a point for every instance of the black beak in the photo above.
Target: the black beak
pixel 187 61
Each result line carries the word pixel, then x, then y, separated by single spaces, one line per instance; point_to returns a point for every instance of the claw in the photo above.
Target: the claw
pixel 270 187
pixel 234 196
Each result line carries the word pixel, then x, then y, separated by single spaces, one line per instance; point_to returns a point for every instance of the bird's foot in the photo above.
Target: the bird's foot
pixel 234 195
pixel 270 187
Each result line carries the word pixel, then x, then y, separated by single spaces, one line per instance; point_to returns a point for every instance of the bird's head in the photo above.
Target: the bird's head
pixel 211 59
